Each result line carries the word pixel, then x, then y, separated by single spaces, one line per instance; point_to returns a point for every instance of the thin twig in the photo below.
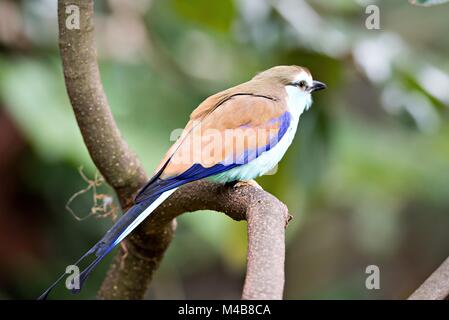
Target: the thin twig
pixel 107 207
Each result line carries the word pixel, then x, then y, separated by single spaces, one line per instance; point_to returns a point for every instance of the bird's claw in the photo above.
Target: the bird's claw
pixel 252 183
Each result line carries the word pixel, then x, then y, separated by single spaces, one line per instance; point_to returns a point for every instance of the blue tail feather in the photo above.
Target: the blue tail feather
pixel 105 245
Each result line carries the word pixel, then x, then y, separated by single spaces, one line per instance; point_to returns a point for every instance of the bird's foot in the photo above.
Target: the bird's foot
pixel 252 183
pixel 124 256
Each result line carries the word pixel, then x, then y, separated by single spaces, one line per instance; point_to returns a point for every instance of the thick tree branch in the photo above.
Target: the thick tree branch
pixel 130 274
pixel 436 287
pixel 267 218
pixel 119 166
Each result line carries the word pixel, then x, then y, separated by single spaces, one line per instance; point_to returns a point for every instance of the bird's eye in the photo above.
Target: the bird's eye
pixel 302 84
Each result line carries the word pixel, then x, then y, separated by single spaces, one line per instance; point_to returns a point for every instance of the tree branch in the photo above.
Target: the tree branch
pixel 436 287
pixel 130 274
pixel 110 153
pixel 267 218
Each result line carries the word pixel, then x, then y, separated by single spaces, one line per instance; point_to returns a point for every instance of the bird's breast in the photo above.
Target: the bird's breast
pixel 297 102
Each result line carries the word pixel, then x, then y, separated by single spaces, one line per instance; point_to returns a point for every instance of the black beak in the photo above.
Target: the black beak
pixel 317 85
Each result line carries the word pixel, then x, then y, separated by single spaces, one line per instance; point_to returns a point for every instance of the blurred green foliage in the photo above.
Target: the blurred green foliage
pixel 428 2
pixel 366 180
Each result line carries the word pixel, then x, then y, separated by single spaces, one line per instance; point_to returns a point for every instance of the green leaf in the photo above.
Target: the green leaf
pixel 427 3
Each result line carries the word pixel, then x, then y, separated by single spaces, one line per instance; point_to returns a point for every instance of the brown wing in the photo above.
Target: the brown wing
pixel 222 133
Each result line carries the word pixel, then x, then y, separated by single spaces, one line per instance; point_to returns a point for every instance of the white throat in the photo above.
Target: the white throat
pixel 297 101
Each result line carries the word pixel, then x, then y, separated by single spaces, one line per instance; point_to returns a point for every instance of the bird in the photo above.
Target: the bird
pixel 235 135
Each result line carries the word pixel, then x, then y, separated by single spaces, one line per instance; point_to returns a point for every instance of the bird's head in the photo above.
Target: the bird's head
pixel 296 79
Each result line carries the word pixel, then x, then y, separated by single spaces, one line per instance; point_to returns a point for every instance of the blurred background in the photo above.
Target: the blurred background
pixel 367 178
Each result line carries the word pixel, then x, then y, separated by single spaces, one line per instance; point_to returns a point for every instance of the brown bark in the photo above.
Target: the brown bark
pixel 436 287
pixel 267 218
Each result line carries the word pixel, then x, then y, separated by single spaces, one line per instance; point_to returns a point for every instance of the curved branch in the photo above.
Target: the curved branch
pixel 436 287
pixel 110 153
pixel 130 274
pixel 266 216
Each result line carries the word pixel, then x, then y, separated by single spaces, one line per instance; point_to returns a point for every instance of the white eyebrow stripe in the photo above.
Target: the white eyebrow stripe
pixel 303 76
